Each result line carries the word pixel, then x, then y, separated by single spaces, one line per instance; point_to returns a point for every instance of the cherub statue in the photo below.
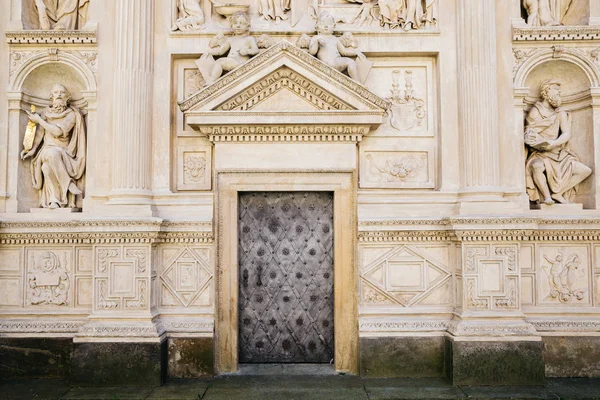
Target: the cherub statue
pixel 336 52
pixel 191 16
pixel 233 51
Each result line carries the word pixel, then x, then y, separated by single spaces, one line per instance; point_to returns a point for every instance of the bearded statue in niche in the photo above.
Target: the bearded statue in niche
pixel 553 170
pixel 61 14
pixel 57 148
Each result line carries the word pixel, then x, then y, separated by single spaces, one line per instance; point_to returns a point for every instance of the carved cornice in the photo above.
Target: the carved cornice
pixel 556 33
pixel 491 328
pixel 399 325
pixel 404 236
pixel 39 326
pixel 190 325
pixel 122 330
pixel 104 232
pixel 285 133
pixel 485 221
pixel 271 53
pixel 50 37
pixel 566 326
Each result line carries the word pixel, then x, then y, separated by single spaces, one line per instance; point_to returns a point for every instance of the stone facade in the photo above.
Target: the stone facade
pixel 460 140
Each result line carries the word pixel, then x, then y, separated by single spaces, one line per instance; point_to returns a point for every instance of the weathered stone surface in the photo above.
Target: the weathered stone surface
pixel 405 357
pixel 190 357
pixel 495 363
pixel 35 358
pixel 112 364
pixel 573 356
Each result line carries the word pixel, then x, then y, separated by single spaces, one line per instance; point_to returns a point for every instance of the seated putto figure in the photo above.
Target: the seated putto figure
pixel 58 151
pixel 61 14
pixel 553 170
pixel 233 50
pixel 336 52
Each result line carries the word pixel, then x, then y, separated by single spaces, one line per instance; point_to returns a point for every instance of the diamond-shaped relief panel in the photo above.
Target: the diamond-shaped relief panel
pixel 403 275
pixel 185 278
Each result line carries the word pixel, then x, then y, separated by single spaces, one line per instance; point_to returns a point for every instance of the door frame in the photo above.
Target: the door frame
pixel 345 280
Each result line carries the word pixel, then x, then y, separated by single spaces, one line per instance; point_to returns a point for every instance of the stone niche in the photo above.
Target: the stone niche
pixel 35 72
pixel 578 98
pixel 563 12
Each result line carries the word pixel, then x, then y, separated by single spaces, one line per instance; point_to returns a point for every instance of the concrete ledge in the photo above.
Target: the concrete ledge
pixel 190 357
pixel 572 356
pixel 402 357
pixel 112 364
pixel 35 357
pixel 494 362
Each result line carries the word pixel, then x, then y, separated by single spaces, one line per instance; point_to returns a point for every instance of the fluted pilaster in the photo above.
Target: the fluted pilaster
pixel 477 88
pixel 132 124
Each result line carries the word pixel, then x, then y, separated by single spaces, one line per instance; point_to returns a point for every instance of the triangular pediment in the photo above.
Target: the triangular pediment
pixel 281 88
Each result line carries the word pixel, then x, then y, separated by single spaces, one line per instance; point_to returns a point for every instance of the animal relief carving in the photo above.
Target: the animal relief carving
pixel 48 280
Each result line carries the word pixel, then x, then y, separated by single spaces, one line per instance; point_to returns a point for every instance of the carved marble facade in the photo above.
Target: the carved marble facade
pixel 436 154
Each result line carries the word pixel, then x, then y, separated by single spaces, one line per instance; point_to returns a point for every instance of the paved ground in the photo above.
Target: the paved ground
pixel 301 387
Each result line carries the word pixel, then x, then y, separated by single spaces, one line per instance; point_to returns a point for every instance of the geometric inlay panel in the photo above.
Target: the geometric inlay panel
pixel 402 275
pixel 491 277
pixel 186 277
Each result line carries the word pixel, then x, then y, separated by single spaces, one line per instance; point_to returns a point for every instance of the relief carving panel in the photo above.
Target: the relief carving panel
pixel 121 279
pixel 49 277
pixel 564 275
pixel 405 275
pixel 186 277
pixel 491 276
pixel 194 169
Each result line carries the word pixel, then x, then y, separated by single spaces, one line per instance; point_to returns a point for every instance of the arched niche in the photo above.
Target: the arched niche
pixel 31 85
pixel 577 83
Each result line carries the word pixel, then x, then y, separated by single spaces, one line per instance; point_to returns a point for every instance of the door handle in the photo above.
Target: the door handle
pixel 258 280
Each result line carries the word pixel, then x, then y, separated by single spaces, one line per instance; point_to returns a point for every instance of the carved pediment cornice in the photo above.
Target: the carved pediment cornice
pixel 284 94
pixel 556 33
pixel 295 56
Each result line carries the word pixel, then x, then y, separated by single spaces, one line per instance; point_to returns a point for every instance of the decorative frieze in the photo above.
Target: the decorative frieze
pixel 557 33
pixel 34 37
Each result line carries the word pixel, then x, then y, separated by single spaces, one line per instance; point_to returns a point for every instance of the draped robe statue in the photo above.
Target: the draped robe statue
pixel 553 170
pixel 58 151
pixel 547 12
pixel 62 14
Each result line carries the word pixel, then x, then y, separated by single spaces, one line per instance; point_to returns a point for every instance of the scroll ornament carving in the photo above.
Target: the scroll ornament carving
pixel 48 281
pixel 103 301
pixel 140 301
pixel 553 170
pixel 60 15
pixel 17 58
pixel 190 16
pixel 194 167
pixel 563 275
pixel 373 296
pixel 103 254
pixel 57 146
pixel 546 12
pixel 399 169
pixel 193 82
pixel 472 299
pixel 340 53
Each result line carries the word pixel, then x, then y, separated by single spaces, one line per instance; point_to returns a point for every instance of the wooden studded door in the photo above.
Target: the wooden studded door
pixel 285 254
